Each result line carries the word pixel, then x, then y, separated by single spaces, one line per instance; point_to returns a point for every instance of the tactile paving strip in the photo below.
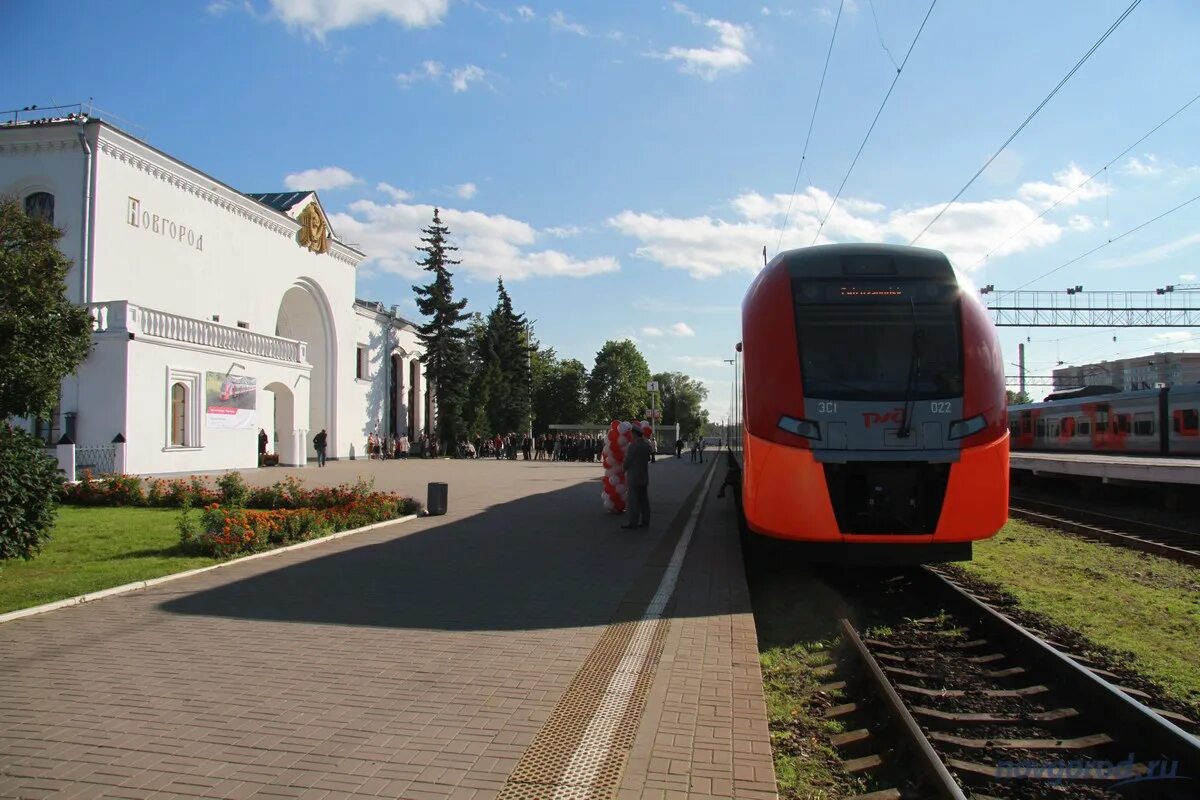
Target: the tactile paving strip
pixel 581 750
pixel 604 702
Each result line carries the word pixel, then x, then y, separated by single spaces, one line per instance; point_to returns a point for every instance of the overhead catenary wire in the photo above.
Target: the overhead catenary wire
pixel 811 121
pixel 1101 246
pixel 861 147
pixel 1090 178
pixel 1029 118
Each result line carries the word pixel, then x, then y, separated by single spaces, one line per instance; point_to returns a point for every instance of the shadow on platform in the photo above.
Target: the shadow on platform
pixel 551 560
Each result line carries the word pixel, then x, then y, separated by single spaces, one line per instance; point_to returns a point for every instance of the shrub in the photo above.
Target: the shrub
pixel 234 491
pixel 125 490
pixel 29 486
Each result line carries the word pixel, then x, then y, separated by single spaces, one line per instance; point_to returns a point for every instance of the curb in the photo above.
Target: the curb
pixel 133 587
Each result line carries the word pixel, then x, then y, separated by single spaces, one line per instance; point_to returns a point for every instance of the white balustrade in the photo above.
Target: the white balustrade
pixel 125 316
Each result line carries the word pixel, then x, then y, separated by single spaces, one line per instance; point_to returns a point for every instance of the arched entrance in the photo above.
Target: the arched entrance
pixel 284 438
pixel 304 314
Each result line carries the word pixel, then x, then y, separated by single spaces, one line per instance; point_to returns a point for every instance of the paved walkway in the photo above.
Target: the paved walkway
pixel 420 660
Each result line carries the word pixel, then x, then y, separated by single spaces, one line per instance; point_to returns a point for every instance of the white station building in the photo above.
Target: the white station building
pixel 216 312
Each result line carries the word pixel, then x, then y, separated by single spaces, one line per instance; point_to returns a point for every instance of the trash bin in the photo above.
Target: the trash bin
pixel 439 498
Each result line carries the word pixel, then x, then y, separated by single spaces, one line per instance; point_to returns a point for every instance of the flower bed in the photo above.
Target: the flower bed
pixel 235 518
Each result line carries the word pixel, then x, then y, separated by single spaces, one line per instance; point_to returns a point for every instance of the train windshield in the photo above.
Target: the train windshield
pixel 887 348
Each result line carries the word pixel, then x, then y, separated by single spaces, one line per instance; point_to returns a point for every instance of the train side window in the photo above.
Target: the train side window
pixel 1084 427
pixel 1025 421
pixel 1143 424
pixel 1123 423
pixel 1185 421
pixel 1052 427
pixel 1041 428
pixel 1068 427
pixel 1102 418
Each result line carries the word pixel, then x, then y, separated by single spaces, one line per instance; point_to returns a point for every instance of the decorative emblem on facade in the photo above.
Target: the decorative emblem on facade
pixel 314 230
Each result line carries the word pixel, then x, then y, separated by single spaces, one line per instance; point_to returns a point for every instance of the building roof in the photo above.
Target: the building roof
pixel 280 201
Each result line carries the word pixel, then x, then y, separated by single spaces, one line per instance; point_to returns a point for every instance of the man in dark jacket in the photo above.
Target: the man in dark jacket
pixel 319 443
pixel 637 477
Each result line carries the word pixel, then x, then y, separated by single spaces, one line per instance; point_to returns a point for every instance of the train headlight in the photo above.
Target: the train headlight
pixel 801 427
pixel 965 427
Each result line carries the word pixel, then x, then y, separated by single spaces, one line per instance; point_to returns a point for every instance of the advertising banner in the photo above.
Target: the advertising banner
pixel 230 400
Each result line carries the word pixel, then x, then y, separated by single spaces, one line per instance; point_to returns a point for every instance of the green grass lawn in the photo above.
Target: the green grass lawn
pixel 97 548
pixel 1140 604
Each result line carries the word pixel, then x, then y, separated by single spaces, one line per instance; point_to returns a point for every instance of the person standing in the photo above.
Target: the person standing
pixel 679 448
pixel 637 476
pixel 262 444
pixel 319 443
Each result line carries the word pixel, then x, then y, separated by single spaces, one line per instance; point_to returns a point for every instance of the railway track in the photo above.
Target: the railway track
pixel 1175 543
pixel 965 703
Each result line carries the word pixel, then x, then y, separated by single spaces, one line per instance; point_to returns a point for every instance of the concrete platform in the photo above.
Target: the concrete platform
pixel 517 647
pixel 1110 468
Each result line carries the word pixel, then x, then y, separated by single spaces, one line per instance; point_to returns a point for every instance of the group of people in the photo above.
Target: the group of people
pixel 385 447
pixel 697 448
pixel 583 447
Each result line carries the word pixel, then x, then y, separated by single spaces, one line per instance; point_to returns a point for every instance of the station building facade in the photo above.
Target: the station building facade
pixel 215 312
pixel 1133 374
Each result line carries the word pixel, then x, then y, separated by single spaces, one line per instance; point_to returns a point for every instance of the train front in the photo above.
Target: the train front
pixel 875 423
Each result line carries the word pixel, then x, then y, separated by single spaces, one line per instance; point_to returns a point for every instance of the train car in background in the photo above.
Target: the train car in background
pixel 1155 422
pixel 874 417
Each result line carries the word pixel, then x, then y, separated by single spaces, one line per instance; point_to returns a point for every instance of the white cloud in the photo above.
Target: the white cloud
pixel 429 70
pixel 559 22
pixel 708 62
pixel 466 190
pixel 526 13
pixel 708 246
pixel 1187 174
pixel 1172 336
pixel 489 245
pixel 1153 254
pixel 1064 189
pixel 463 77
pixel 701 361
pixel 320 179
pixel 393 192
pixel 1145 167
pixel 680 329
pixel 318 17
pixel 1080 222
pixel 563 231
pixel 1187 277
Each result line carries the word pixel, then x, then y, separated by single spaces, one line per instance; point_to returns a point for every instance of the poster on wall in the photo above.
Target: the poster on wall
pixel 230 400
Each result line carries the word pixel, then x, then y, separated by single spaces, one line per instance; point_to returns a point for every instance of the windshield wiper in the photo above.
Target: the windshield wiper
pixel 914 371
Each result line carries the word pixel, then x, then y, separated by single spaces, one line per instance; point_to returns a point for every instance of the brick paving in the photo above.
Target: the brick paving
pixel 415 661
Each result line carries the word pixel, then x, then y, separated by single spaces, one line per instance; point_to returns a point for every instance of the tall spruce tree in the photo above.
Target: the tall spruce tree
pixel 445 357
pixel 508 339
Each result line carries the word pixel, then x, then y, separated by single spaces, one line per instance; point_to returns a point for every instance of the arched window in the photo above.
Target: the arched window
pixel 179 415
pixel 40 205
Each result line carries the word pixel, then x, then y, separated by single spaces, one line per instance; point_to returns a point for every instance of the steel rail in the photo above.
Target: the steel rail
pixel 1048 516
pixel 1139 721
pixel 927 760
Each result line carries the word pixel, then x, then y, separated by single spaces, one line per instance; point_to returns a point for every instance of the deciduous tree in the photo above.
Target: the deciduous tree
pixel 43 338
pixel 617 385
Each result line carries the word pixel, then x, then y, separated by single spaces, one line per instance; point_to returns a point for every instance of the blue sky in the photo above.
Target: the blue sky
pixel 622 164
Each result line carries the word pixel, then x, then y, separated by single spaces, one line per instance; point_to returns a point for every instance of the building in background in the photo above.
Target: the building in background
pixel 1132 374
pixel 216 312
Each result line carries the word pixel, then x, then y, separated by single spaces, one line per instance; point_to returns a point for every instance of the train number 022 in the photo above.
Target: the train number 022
pixel 939 407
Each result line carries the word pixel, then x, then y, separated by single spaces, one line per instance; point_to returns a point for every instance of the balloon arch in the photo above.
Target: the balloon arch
pixel 620 434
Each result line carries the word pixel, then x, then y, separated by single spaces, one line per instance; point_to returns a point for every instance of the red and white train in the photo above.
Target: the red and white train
pixel 1161 422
